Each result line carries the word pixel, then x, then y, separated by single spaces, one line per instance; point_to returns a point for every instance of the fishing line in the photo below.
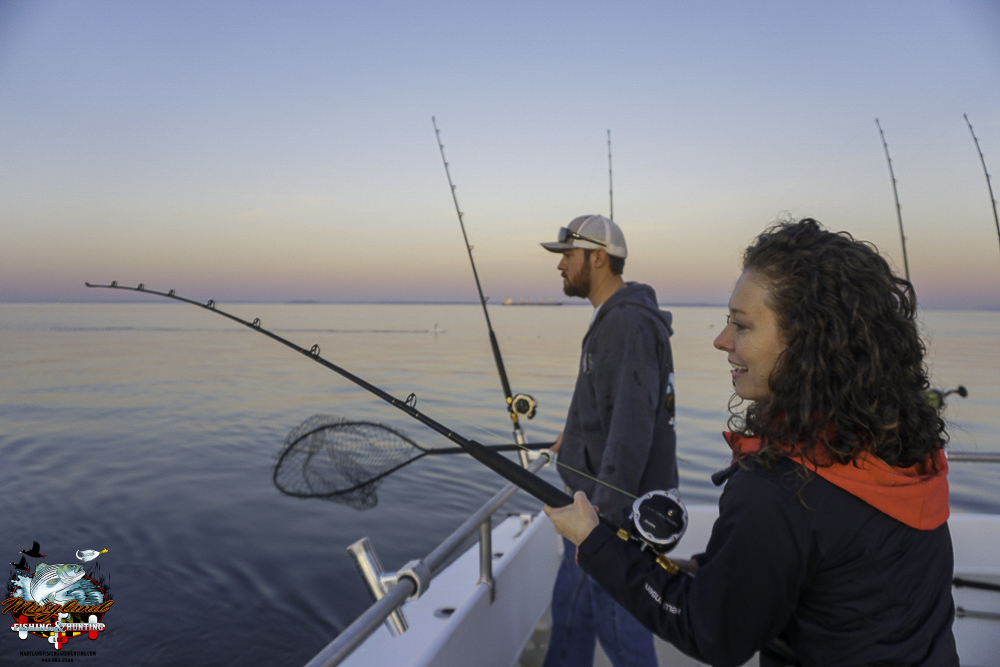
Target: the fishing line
pixel 658 518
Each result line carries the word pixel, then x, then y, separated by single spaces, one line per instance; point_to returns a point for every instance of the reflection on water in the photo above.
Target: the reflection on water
pixel 151 429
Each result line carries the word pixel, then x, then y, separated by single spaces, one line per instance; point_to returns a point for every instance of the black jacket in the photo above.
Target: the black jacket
pixel 839 581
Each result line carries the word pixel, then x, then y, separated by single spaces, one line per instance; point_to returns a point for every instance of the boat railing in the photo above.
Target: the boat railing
pixel 392 589
pixel 973 457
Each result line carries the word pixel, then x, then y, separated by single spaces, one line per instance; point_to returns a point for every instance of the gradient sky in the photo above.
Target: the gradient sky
pixel 284 151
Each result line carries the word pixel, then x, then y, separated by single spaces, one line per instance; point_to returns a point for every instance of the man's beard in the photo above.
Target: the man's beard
pixel 580 285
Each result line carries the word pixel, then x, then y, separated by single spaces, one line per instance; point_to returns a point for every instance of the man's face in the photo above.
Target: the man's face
pixel 575 270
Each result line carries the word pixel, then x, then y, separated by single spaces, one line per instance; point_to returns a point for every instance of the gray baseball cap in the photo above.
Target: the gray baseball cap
pixel 590 232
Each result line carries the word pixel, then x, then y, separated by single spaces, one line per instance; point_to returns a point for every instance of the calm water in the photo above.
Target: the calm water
pixel 150 429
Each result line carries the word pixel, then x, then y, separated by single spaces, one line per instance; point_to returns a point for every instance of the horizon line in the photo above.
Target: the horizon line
pixel 428 302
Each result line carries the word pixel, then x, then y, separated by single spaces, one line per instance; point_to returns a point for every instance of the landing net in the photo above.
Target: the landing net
pixel 340 460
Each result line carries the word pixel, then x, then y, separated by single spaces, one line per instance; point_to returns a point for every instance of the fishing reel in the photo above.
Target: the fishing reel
pixel 936 396
pixel 524 405
pixel 657 522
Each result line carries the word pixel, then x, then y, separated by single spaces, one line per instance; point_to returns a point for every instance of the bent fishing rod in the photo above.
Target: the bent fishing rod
pixel 658 518
pixel 516 404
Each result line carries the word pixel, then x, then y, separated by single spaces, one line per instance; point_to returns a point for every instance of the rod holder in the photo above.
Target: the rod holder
pixel 417 572
pixel 378 581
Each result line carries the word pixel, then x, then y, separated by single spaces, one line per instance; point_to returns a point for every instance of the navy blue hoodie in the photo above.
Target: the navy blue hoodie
pixel 620 426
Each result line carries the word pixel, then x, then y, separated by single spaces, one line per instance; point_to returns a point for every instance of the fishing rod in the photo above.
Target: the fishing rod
pixel 937 397
pixel 989 185
pixel 611 189
pixel 658 518
pixel 895 195
pixel 516 404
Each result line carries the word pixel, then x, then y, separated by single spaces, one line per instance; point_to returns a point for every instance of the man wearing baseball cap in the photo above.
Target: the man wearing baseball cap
pixel 619 430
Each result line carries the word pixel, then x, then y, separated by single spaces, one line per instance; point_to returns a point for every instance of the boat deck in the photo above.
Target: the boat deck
pixel 534 651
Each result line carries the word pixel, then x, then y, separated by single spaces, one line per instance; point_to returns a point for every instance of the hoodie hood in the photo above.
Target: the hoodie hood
pixel 636 294
pixel 916 496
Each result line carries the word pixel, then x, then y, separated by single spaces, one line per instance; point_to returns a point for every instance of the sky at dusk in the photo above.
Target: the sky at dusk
pixel 264 151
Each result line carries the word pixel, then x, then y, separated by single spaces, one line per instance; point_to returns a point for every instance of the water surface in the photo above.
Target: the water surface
pixel 150 429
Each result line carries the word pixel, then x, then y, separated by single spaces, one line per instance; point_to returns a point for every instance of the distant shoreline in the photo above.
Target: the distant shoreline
pixel 561 304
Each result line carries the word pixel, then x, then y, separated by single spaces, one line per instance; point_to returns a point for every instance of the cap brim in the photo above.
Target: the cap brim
pixel 555 246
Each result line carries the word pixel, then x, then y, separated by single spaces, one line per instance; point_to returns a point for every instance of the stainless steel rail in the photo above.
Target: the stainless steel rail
pixel 363 626
pixel 973 457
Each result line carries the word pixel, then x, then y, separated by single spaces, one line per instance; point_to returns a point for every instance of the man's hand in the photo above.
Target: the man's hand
pixel 558 443
pixel 574 522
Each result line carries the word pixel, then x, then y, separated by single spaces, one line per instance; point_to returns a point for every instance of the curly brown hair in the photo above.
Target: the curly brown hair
pixel 852 377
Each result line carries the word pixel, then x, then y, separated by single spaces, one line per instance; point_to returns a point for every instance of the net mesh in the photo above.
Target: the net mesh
pixel 340 460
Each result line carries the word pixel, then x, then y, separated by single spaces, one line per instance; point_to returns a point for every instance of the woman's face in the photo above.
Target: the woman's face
pixel 751 338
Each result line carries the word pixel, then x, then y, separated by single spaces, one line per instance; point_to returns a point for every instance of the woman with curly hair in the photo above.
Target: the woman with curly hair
pixel 832 546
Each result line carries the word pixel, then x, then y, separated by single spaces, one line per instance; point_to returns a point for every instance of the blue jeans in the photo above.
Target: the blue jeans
pixel 583 612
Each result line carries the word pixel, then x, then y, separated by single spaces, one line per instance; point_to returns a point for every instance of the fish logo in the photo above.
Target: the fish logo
pixel 60 600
